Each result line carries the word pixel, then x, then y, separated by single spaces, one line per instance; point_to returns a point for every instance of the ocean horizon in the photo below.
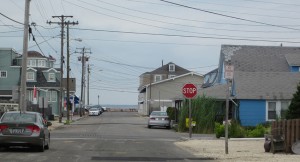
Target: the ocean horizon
pixel 120 106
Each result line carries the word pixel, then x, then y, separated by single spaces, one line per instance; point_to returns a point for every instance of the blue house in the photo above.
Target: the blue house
pixel 264 81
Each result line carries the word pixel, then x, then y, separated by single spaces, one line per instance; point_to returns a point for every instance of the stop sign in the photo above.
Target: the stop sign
pixel 189 90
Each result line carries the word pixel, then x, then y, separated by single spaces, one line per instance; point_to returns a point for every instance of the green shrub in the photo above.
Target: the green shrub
pixel 236 130
pixel 259 131
pixel 171 111
pixel 219 130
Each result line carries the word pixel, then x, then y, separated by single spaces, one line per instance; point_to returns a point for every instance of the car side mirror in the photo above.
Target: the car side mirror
pixel 49 123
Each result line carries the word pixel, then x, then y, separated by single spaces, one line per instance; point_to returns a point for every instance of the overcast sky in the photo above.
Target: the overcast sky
pixel 130 37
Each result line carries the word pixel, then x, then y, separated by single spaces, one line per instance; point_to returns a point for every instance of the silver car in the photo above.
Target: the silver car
pixel 24 129
pixel 94 111
pixel 159 118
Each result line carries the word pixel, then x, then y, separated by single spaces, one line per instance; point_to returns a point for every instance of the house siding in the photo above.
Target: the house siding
pixel 13 72
pixel 252 112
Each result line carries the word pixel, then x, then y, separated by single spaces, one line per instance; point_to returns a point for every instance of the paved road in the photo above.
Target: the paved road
pixel 113 136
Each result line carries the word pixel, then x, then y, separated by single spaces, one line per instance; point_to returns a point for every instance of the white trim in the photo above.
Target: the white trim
pixel 173 70
pixel 162 100
pixel 50 70
pixel 277 108
pixel 160 76
pixel 179 76
pixel 30 68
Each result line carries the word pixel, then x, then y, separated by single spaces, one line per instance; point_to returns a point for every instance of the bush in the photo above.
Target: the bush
pixel 171 111
pixel 236 130
pixel 219 130
pixel 259 131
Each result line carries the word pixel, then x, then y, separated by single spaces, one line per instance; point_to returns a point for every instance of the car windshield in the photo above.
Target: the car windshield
pixel 18 117
pixel 93 109
pixel 157 113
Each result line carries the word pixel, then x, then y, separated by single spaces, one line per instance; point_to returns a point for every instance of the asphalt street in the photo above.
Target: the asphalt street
pixel 112 136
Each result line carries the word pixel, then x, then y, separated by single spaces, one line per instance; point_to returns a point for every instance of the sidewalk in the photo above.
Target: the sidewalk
pixel 56 124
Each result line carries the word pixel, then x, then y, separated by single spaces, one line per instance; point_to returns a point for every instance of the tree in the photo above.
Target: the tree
pixel 293 111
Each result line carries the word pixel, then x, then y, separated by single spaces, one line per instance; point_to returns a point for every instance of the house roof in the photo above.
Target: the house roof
pixel 293 59
pixel 42 81
pixel 170 79
pixel 165 70
pixel 265 85
pixel 260 72
pixel 216 91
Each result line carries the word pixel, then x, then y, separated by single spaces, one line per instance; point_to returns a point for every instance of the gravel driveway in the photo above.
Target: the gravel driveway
pixel 239 150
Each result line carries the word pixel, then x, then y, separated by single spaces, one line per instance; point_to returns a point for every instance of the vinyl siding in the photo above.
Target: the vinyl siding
pixel 252 112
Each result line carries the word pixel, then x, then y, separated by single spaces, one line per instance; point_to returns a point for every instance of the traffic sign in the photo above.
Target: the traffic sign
pixel 189 90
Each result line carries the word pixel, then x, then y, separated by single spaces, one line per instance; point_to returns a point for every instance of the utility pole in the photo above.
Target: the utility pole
pixel 68 69
pixel 83 60
pixel 88 85
pixel 62 18
pixel 22 101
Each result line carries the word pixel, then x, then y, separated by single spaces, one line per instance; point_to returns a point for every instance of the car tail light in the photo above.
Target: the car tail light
pixel 3 127
pixel 34 129
pixel 152 118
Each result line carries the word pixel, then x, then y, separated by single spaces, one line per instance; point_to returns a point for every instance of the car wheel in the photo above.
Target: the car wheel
pixel 48 144
pixel 168 127
pixel 149 126
pixel 42 147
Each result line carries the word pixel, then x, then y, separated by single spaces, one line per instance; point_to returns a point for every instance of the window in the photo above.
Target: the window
pixel 277 109
pixel 33 63
pixel 271 110
pixel 30 76
pixel 52 96
pixel 171 67
pixel 284 108
pixel 3 74
pixel 41 63
pixel 51 77
pixel 30 95
pixel 157 78
pixel 172 76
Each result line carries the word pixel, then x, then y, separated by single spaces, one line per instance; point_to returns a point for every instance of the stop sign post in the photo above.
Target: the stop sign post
pixel 189 91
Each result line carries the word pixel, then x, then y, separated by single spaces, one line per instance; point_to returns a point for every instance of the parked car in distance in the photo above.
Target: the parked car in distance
pixel 159 118
pixel 94 111
pixel 98 107
pixel 24 129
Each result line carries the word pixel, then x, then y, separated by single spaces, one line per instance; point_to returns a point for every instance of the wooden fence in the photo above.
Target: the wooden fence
pixel 289 129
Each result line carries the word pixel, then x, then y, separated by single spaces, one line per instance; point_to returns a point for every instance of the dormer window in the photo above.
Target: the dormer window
pixel 157 78
pixel 172 76
pixel 171 67
pixel 41 63
pixel 31 63
pixel 30 76
pixel 51 77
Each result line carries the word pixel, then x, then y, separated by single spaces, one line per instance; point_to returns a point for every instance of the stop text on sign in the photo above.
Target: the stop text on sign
pixel 189 90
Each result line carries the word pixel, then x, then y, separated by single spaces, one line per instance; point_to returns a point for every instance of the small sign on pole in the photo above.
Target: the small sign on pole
pixel 229 71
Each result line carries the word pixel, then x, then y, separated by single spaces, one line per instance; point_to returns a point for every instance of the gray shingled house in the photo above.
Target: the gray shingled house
pixel 162 87
pixel 265 79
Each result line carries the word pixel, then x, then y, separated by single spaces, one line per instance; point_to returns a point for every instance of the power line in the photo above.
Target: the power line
pixel 233 17
pixel 11 19
pixel 191 26
pixel 185 36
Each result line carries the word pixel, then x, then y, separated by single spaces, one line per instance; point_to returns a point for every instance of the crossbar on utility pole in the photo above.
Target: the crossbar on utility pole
pixel 22 101
pixel 62 18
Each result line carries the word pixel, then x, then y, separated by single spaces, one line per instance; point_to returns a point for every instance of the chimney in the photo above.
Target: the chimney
pixel 162 63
